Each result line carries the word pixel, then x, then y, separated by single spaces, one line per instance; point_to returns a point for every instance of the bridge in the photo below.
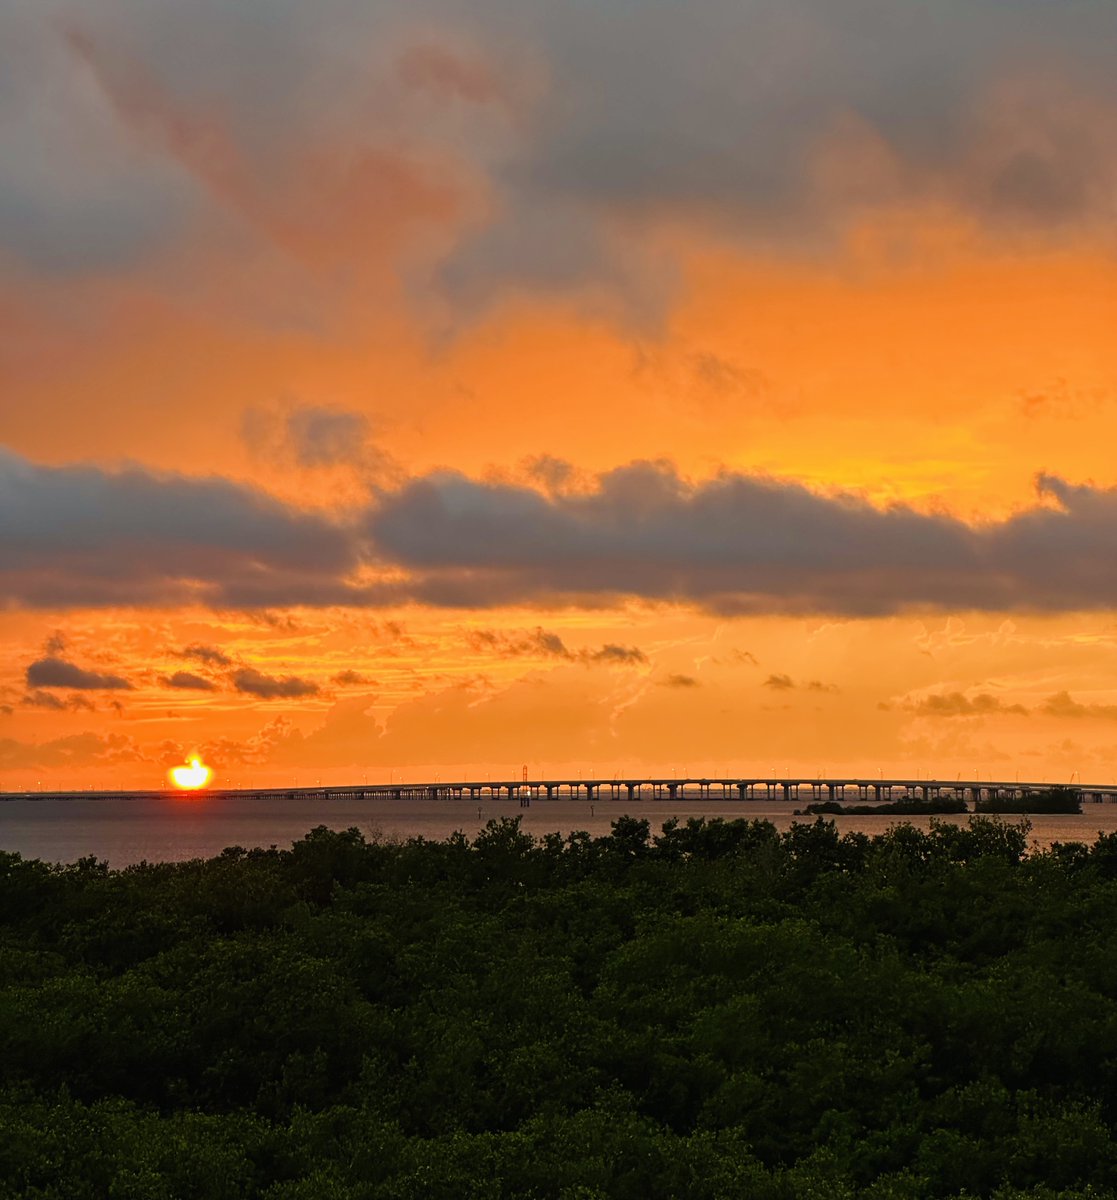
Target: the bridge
pixel 629 789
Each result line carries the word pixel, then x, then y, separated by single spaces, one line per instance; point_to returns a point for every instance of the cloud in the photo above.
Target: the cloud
pixel 189 681
pixel 251 682
pixel 81 536
pixel 958 704
pixel 75 750
pixel 539 642
pixel 1003 111
pixel 58 673
pixel 323 437
pixel 56 643
pixel 351 679
pixel 679 681
pixel 786 683
pixel 614 654
pixel 48 700
pixel 1062 704
pixel 779 683
pixel 450 73
pixel 210 655
pixel 535 642
pixel 740 544
pixel 732 544
pixel 554 474
pixel 313 436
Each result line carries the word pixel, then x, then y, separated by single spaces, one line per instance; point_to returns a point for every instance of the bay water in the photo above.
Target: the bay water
pixel 176 828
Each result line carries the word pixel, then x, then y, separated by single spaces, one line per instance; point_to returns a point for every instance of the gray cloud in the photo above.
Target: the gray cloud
pixel 774 119
pixel 540 642
pixel 1062 704
pixel 251 682
pixel 351 679
pixel 733 544
pixel 958 704
pixel 50 701
pixel 536 642
pixel 309 435
pixel 323 436
pixel 612 653
pixel 210 655
pixel 188 681
pixel 786 683
pixel 740 544
pixel 679 681
pixel 779 683
pixel 81 536
pixel 58 673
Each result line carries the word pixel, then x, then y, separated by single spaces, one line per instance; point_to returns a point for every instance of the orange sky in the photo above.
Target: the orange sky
pixel 326 352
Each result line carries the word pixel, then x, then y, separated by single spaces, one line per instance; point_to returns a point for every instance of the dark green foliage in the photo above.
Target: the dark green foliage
pixel 1044 800
pixel 913 807
pixel 717 1011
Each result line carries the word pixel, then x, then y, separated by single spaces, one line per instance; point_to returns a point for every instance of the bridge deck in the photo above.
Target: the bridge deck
pixel 630 788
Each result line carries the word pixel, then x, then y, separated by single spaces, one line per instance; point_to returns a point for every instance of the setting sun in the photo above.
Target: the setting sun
pixel 191 777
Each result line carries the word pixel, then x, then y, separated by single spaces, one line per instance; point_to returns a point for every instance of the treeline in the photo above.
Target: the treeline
pixel 721 1010
pixel 1028 802
pixel 1039 800
pixel 912 807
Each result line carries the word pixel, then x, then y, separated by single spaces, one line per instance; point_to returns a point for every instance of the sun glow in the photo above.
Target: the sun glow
pixel 191 777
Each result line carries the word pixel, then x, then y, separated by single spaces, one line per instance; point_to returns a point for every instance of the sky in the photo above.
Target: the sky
pixel 437 389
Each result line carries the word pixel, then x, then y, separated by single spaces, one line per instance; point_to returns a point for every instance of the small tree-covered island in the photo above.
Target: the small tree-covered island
pixel 717 1010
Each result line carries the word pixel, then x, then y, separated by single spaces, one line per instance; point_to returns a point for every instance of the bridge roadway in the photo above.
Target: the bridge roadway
pixel 630 789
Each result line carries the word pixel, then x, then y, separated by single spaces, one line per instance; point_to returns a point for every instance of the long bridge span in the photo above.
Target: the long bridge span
pixel 629 789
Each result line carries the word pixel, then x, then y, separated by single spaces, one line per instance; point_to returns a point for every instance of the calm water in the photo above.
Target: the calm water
pixel 170 830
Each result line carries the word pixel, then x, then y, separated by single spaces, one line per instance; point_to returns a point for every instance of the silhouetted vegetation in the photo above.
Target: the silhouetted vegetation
pixel 1045 800
pixel 720 1010
pixel 911 807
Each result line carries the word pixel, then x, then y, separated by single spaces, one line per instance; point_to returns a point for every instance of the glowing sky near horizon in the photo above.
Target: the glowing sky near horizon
pixel 433 388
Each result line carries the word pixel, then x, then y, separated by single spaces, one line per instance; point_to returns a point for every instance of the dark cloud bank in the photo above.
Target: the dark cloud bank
pixel 732 544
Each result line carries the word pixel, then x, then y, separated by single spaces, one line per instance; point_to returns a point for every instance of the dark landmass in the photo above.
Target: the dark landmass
pixel 905 808
pixel 718 1011
pixel 1049 800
